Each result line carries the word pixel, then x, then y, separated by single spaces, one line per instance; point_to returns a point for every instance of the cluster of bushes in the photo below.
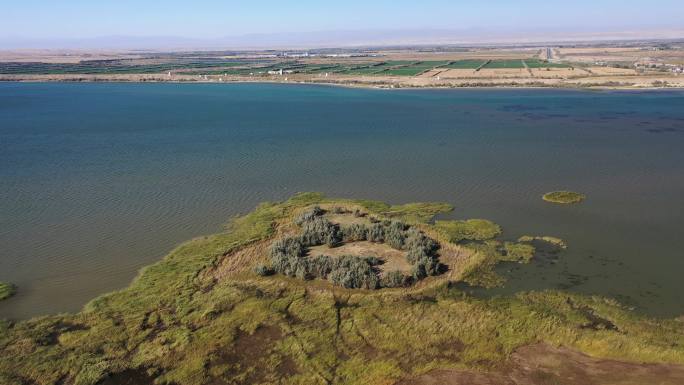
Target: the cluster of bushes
pixel 320 231
pixel 288 256
pixel 422 254
pixel 349 271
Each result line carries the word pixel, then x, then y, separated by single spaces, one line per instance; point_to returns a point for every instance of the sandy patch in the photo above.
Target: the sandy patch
pixel 502 73
pixel 557 73
pixel 612 71
pixel 393 259
pixel 62 56
pixel 485 73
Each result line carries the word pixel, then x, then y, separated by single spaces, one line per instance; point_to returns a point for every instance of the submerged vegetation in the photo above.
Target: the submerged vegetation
pixel 212 312
pixel 547 239
pixel 6 290
pixel 564 197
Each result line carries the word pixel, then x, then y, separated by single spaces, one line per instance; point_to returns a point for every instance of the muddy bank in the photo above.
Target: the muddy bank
pixel 542 364
pixel 590 82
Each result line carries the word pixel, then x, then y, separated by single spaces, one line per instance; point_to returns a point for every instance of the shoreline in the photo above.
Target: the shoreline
pixel 382 83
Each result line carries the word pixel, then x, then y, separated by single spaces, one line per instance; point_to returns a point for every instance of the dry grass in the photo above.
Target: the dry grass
pixel 612 71
pixel 556 73
pixel 393 260
pixel 347 219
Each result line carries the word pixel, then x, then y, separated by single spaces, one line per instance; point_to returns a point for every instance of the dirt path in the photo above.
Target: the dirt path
pixel 545 365
pixel 527 68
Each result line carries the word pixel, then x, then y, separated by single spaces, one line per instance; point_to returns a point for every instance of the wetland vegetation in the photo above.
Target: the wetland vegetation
pixel 202 315
pixel 564 197
pixel 6 290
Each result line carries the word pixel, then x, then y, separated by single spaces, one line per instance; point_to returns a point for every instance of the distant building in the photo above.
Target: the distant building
pixel 297 54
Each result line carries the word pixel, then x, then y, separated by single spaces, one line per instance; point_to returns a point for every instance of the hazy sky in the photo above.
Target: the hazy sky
pixel 214 18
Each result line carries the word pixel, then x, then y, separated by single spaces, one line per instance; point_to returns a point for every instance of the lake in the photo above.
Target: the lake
pixel 98 180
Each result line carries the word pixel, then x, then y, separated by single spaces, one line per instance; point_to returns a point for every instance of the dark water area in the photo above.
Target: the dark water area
pixel 99 180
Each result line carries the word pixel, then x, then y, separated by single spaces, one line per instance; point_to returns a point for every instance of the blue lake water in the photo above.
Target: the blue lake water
pixel 98 180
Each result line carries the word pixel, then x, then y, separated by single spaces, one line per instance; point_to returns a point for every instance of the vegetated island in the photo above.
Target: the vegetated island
pixel 322 291
pixel 6 290
pixel 564 197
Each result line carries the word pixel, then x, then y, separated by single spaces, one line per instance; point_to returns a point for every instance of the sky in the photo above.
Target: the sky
pixel 214 18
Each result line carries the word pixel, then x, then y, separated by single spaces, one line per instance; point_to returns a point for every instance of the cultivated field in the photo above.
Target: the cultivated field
pixel 608 65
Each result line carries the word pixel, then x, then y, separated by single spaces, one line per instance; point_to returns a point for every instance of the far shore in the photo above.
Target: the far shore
pixel 609 83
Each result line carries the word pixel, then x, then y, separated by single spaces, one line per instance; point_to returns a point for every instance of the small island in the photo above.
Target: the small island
pixel 564 197
pixel 6 290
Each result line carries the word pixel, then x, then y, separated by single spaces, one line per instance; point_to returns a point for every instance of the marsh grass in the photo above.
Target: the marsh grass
pixel 6 290
pixel 564 197
pixel 181 325
pixel 468 230
pixel 557 242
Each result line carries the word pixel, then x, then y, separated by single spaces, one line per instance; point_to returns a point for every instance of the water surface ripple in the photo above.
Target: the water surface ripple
pixel 98 180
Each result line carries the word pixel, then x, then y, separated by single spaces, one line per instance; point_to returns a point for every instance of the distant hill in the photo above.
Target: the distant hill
pixel 319 39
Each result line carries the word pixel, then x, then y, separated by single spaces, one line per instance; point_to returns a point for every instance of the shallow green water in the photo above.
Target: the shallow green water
pixel 98 180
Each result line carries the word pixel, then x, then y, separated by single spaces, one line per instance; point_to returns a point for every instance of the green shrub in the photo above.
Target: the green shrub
pixel 321 266
pixel 394 235
pixel 320 231
pixel 376 233
pixel 419 246
pixel 355 273
pixel 395 279
pixel 286 256
pixel 354 233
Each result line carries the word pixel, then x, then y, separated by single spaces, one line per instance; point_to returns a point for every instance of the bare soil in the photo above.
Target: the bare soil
pixel 542 364
pixel 393 259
